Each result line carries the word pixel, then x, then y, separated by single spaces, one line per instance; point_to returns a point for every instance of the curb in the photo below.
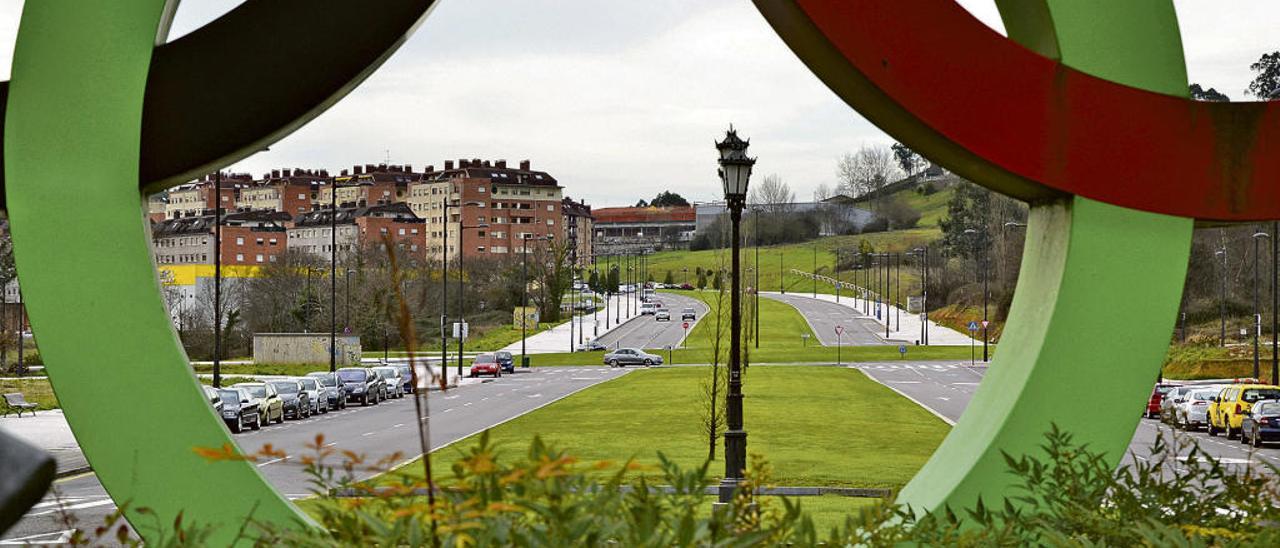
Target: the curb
pixel 72 472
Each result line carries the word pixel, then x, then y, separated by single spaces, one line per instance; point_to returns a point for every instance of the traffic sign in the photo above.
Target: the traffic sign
pixel 686 325
pixel 985 323
pixel 973 326
pixel 839 330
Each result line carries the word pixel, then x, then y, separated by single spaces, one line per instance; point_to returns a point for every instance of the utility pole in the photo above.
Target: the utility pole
pixel 1222 297
pixel 217 283
pixel 333 275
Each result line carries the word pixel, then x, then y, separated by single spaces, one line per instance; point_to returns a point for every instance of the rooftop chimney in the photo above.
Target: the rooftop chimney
pixel 357 170
pixel 486 163
pixel 369 168
pixel 429 169
pixel 344 173
pixel 524 165
pixel 275 174
pixel 448 165
pixel 464 163
pixel 501 164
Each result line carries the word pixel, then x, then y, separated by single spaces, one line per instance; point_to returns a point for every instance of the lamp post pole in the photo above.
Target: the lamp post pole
pixel 524 296
pixel 1257 312
pixel 462 285
pixel 735 171
pixel 333 275
pixel 217 283
pixel 815 269
pixel 755 306
pixel 1222 297
pixel 897 309
pixel 1275 302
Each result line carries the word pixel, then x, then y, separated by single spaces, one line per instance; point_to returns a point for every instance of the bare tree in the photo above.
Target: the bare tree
pixel 866 171
pixel 712 389
pixel 772 194
pixel 823 192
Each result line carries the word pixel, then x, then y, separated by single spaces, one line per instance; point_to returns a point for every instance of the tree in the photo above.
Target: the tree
pixel 556 276
pixel 865 172
pixel 669 279
pixel 822 192
pixel 772 194
pixel 1200 94
pixel 712 389
pixel 642 203
pixel 907 159
pixel 702 279
pixel 1268 79
pixel 969 208
pixel 669 199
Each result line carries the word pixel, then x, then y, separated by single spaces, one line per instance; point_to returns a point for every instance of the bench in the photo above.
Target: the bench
pixel 17 403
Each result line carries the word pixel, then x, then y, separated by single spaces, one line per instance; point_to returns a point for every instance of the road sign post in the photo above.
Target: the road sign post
pixel 902 351
pixel 839 333
pixel 973 330
pixel 684 325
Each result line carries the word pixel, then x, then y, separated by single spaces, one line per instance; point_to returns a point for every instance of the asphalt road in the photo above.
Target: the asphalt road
pixel 945 388
pixel 646 332
pixel 823 317
pixel 375 431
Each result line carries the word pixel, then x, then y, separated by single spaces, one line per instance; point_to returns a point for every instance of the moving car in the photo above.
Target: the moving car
pixel 623 357
pixel 1261 423
pixel 688 314
pixel 239 410
pixel 267 398
pixel 662 315
pixel 360 383
pixel 1193 411
pixel 297 404
pixel 395 383
pixel 335 392
pixel 407 374
pixel 506 360
pixel 1226 414
pixel 591 346
pixel 316 394
pixel 486 364
pixel 647 308
pixel 1157 395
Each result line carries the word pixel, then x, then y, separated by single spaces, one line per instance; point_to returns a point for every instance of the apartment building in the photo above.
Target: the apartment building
pixel 197 198
pixel 494 205
pixel 356 227
pixel 250 238
pixel 291 191
pixel 370 184
pixel 633 229
pixel 578 226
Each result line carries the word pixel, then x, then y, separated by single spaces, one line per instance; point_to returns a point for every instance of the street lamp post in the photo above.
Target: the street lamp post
pixel 333 275
pixel 462 286
pixel 735 172
pixel 1257 313
pixel 815 269
pixel 1222 297
pixel 217 283
pixel 1275 302
pixel 984 267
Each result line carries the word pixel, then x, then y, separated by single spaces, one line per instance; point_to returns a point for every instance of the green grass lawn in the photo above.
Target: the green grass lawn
pixel 776 262
pixel 34 390
pixel 763 355
pixel 817 426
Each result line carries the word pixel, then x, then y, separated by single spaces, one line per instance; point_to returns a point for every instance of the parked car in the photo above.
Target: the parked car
pixel 1193 411
pixel 239 410
pixel 1157 395
pixel 662 315
pixel 380 386
pixel 395 383
pixel 647 308
pixel 1261 424
pixel 316 394
pixel 1226 414
pixel 335 392
pixel 215 401
pixel 688 314
pixel 1171 400
pixel 361 384
pixel 297 405
pixel 623 357
pixel 506 360
pixel 268 399
pixel 407 374
pixel 686 286
pixel 486 364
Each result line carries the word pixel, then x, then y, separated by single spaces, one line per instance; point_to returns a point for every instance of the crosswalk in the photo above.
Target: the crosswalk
pixel 915 366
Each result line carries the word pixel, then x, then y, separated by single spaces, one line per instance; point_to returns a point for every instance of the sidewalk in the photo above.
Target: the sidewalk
pixel 48 430
pixel 904 327
pixel 556 339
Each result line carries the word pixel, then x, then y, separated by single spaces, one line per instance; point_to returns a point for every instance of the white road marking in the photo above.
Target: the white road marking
pixel 79 506
pixel 366 434
pixel 272 461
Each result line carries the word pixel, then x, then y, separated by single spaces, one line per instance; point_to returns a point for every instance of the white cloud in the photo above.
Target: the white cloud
pixel 624 100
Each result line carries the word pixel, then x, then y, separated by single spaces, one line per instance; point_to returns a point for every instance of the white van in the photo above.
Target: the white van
pixel 648 308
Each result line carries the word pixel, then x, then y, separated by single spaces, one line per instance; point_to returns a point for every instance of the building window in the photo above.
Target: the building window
pixel 402 232
pixel 413 231
pixel 259 241
pixel 259 257
pixel 239 256
pixel 550 208
pixel 551 222
pixel 481 233
pixel 273 241
pixel 272 258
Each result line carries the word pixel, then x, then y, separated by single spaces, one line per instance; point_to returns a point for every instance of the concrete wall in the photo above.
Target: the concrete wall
pixel 310 348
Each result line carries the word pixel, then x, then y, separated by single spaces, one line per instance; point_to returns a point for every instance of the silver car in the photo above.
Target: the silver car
pixel 395 381
pixel 317 393
pixel 623 357
pixel 1193 411
pixel 1170 401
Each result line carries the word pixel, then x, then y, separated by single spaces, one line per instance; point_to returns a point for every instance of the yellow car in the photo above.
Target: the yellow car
pixel 1227 411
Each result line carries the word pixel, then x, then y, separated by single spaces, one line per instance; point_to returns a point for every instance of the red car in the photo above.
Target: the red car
pixel 1157 395
pixel 486 364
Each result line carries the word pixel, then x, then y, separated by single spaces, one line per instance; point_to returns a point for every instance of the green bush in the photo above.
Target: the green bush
pixel 1068 496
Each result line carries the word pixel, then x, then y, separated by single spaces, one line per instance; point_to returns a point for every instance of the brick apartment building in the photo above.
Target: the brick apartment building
pixel 578 227
pixel 197 198
pixel 513 202
pixel 371 184
pixel 249 238
pixel 357 226
pixel 291 191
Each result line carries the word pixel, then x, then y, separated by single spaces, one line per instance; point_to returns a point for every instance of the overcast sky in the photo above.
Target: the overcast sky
pixel 620 100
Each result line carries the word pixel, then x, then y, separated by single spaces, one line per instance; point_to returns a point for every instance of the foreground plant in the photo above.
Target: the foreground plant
pixel 1068 496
